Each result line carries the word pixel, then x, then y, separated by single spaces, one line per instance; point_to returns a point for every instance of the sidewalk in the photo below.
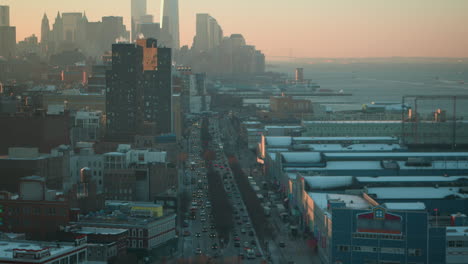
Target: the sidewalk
pixel 296 249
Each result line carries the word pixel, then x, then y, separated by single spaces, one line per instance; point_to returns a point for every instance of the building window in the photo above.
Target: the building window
pixel 37 211
pixel 451 243
pixel 343 248
pixel 140 243
pixel 414 252
pixel 140 233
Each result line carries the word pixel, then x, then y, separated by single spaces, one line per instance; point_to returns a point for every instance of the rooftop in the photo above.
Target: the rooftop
pixel 405 206
pixel 351 201
pixel 100 230
pixel 413 193
pixel 7 247
pixel 457 231
pixel 398 154
pixel 328 182
pixel 301 157
pixel 353 122
pixel 410 179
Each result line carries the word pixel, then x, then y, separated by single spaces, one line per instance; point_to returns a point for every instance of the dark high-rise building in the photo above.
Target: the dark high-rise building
pixel 157 86
pixel 139 90
pixel 123 93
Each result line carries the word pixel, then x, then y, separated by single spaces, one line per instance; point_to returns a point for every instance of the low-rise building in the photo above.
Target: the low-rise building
pixel 148 226
pixel 40 252
pixel 35 211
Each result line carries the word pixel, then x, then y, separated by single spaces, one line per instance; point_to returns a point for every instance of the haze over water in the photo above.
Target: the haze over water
pixel 384 81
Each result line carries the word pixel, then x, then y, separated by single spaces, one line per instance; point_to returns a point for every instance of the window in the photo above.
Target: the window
pixel 414 252
pixel 140 233
pixel 82 257
pixel 343 248
pixel 451 243
pixel 37 211
pixel 140 244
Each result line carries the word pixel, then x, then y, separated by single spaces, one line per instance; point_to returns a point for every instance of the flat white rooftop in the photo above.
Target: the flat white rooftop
pixel 412 193
pixel 352 201
pixel 100 230
pixel 6 248
pixel 457 231
pixel 410 179
pixel 405 206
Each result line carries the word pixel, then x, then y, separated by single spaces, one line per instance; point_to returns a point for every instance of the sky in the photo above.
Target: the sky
pixel 296 28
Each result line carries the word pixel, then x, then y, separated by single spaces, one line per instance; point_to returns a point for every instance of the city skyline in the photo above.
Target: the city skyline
pixel 317 28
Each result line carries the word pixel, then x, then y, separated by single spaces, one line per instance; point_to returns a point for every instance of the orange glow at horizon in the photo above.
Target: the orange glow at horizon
pixel 299 28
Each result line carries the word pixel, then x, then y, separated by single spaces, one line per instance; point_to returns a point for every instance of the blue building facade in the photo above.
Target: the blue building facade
pixel 378 236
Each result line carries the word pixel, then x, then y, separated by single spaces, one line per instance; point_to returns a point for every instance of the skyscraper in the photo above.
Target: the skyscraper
pixel 71 22
pixel 45 34
pixel 138 10
pixel 4 16
pixel 170 20
pixel 209 33
pixel 7 34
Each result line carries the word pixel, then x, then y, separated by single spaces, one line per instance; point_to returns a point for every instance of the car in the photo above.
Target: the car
pixel 242 230
pixel 212 235
pixel 198 251
pixel 186 223
pixel 246 244
pixel 241 255
pixel 212 227
pixel 251 233
pixel 282 244
pixel 237 244
pixel 214 246
pixel 186 233
pixel 198 234
pixel 258 254
pixel 248 225
pixel 202 213
pixel 239 222
pixel 236 238
pixel 253 243
pixel 203 219
pixel 250 254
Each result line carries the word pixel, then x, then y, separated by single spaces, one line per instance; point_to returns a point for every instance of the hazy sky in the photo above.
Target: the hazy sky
pixel 301 28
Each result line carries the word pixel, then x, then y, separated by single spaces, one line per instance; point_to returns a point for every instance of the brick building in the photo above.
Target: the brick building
pixel 36 211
